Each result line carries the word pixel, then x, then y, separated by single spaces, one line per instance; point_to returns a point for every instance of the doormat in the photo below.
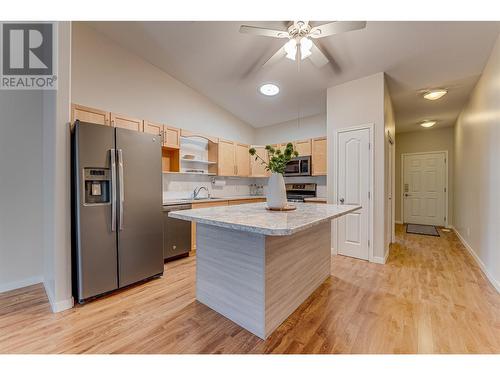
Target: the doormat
pixel 426 230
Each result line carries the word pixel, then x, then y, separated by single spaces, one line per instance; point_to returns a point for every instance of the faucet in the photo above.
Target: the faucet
pixel 197 191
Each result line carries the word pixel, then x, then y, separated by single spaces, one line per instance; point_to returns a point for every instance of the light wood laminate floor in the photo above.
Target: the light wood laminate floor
pixel 430 297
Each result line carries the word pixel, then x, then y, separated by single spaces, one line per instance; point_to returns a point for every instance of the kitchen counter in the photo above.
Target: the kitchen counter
pixel 256 266
pixel 212 199
pixel 255 218
pixel 315 200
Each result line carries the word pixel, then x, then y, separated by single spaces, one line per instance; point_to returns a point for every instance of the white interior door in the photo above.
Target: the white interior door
pixel 353 187
pixel 424 183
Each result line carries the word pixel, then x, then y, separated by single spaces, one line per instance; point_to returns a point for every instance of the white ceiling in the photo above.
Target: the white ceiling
pixel 218 61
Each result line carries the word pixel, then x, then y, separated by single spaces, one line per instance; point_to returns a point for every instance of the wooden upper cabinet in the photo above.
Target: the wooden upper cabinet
pixel 153 128
pixel 242 160
pixel 282 146
pixel 171 137
pixel 120 121
pixel 87 114
pixel 226 162
pixel 319 156
pixel 303 147
pixel 257 169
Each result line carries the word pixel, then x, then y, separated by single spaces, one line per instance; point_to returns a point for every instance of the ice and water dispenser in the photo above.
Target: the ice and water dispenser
pixel 97 185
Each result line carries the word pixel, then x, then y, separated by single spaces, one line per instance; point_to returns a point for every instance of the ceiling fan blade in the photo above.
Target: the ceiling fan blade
pixel 317 57
pixel 276 57
pixel 336 27
pixel 263 32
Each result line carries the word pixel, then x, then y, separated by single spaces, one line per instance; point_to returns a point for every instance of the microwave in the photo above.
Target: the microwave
pixel 299 166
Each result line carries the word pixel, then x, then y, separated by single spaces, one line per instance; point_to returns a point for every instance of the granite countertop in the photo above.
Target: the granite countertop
pixel 256 219
pixel 315 199
pixel 170 202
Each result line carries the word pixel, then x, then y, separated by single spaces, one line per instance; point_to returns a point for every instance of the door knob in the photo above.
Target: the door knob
pixel 342 200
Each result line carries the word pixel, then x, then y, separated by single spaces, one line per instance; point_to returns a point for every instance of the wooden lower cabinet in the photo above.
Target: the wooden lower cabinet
pixel 193 224
pixel 232 202
pixel 246 201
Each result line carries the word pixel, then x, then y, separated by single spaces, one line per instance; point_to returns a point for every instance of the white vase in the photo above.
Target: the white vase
pixel 276 193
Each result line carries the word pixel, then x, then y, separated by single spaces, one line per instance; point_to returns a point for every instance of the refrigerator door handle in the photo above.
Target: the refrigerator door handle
pixel 112 155
pixel 120 177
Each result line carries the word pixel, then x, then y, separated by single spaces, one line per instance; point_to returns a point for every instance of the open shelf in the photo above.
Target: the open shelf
pixel 170 159
pixel 208 162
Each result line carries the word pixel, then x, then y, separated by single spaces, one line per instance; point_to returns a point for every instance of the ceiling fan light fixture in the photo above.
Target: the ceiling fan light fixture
pixel 428 124
pixel 269 89
pixel 291 49
pixel 435 94
pixel 305 47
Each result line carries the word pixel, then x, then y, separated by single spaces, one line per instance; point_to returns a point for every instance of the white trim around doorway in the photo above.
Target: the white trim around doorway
pixel 336 132
pixel 446 162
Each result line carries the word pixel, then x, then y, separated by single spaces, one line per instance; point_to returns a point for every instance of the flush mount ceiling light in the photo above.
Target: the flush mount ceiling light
pixel 428 124
pixel 435 94
pixel 269 89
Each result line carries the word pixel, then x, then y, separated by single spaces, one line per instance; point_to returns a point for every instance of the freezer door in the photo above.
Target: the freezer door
pixel 96 242
pixel 140 253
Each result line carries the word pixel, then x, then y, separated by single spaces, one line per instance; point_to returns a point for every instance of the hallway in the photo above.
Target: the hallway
pixel 430 297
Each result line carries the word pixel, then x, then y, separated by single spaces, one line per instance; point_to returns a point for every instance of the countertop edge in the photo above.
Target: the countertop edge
pixel 214 199
pixel 259 230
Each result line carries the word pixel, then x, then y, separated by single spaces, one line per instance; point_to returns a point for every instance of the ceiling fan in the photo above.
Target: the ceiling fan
pixel 300 34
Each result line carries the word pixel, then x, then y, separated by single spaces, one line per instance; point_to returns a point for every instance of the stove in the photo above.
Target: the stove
pixel 297 192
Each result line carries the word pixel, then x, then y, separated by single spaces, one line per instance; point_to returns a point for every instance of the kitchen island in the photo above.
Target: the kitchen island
pixel 256 266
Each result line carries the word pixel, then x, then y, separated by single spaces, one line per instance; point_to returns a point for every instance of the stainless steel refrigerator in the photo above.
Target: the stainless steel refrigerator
pixel 117 208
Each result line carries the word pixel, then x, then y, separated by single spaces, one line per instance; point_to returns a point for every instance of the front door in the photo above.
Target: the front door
pixel 424 188
pixel 353 187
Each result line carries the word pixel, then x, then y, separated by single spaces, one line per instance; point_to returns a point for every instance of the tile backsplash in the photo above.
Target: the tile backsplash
pixel 181 186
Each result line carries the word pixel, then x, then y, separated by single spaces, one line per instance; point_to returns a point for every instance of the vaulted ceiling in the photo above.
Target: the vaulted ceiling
pixel 226 66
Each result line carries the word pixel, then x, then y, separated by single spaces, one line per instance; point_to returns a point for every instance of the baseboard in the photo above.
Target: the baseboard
pixel 21 283
pixel 480 263
pixel 333 251
pixel 378 260
pixel 398 222
pixel 57 306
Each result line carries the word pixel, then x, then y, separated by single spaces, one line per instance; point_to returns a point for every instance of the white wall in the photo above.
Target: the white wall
pixel 356 103
pixel 56 180
pixel 426 140
pixel 34 185
pixel 477 170
pixel 389 169
pixel 21 198
pixel 109 77
pixel 308 127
